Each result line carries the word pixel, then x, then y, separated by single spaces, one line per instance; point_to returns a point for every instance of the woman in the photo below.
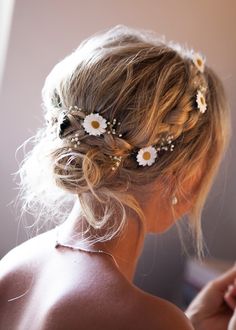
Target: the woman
pixel 135 131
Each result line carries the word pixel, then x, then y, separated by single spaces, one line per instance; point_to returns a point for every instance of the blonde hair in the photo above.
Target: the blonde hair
pixel 150 86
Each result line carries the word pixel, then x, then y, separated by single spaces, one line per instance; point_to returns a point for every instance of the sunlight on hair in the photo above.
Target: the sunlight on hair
pixel 150 87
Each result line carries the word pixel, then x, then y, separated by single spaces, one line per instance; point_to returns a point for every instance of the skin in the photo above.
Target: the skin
pixel 67 289
pixel 213 307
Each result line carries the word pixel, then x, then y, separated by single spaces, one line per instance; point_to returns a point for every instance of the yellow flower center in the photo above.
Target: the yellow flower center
pixel 146 155
pixel 199 62
pixel 95 124
pixel 202 100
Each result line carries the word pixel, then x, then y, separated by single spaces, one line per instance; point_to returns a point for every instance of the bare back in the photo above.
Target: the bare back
pixel 46 288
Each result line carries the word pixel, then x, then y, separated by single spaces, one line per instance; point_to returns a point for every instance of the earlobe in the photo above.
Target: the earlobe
pixel 174 200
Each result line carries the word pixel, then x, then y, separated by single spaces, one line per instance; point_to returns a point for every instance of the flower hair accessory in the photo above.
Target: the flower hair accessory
pixel 201 102
pixel 148 155
pixel 116 162
pixel 199 61
pixel 95 124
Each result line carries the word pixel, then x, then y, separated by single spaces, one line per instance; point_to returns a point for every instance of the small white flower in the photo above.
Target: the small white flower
pixel 94 124
pixel 199 61
pixel 201 102
pixel 146 156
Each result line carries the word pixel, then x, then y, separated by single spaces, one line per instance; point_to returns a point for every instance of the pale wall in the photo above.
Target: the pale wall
pixel 43 32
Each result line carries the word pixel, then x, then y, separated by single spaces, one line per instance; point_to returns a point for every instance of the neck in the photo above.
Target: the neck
pixel 126 248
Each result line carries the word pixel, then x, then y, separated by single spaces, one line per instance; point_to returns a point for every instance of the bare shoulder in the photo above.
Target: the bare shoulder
pixel 160 314
pixel 79 291
pixel 13 261
pixel 117 307
pixel 19 273
pixel 23 258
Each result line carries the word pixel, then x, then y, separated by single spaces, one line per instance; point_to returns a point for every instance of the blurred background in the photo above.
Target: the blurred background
pixel 34 35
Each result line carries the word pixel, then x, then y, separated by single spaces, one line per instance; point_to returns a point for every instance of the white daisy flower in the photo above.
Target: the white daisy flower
pixel 201 102
pixel 199 61
pixel 146 156
pixel 94 124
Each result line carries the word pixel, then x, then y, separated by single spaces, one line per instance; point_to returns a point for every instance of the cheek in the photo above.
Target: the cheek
pixel 161 217
pixel 181 209
pixel 169 217
pixel 162 222
pixel 164 226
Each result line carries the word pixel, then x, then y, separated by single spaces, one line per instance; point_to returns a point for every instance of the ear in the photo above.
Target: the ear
pixel 184 191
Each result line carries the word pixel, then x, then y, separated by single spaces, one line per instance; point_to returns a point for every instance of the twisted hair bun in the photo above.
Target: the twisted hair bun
pixel 150 87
